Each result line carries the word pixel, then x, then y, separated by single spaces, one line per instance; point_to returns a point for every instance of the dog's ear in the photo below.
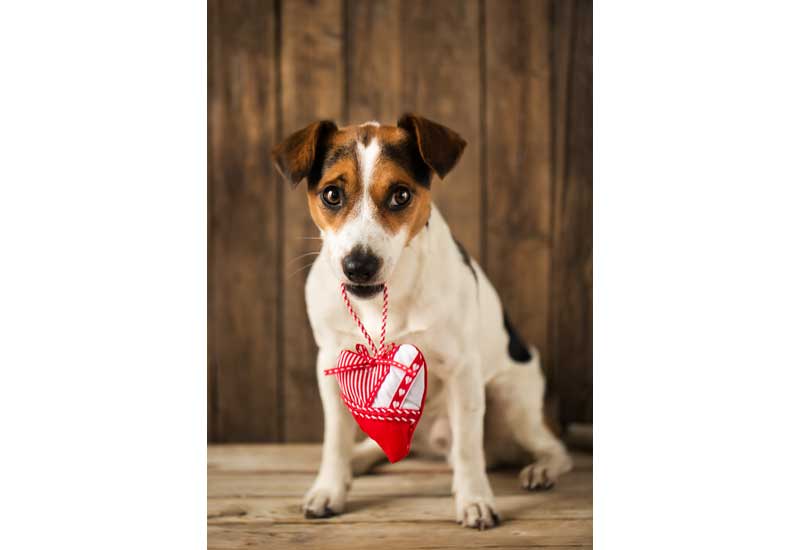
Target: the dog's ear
pixel 439 146
pixel 301 153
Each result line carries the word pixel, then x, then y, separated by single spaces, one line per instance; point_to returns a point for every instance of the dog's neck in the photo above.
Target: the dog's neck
pixel 421 266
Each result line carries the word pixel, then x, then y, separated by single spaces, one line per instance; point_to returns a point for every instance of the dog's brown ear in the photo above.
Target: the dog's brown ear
pixel 439 146
pixel 300 153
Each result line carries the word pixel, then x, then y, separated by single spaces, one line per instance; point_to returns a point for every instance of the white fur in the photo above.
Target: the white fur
pixel 436 305
pixel 367 159
pixel 362 227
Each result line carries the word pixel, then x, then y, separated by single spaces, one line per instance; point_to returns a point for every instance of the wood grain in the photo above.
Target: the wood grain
pixel 243 245
pixel 212 401
pixel 441 81
pixel 521 505
pixel 374 61
pixel 573 533
pixel 519 158
pixel 304 458
pixel 571 312
pixel 312 78
pixel 260 483
pixel 513 77
pixel 255 502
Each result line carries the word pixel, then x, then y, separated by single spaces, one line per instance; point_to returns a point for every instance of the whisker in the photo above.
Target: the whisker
pixel 310 238
pixel 302 256
pixel 299 270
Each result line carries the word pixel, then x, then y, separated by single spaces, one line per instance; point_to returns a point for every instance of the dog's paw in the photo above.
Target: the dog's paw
pixel 537 477
pixel 324 502
pixel 543 474
pixel 476 512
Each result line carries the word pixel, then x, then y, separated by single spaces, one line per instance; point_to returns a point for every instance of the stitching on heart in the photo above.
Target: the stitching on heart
pixel 375 417
pixel 381 410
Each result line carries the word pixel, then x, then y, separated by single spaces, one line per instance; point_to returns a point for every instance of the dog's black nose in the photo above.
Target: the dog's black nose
pixel 361 265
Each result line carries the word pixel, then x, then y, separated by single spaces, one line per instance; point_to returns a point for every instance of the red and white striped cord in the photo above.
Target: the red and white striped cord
pixel 384 316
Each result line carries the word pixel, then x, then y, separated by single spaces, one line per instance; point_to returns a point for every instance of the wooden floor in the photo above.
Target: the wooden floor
pixel 255 492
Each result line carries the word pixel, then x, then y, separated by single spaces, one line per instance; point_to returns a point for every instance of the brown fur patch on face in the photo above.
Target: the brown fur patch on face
pixel 396 167
pixel 389 177
pixel 339 168
pixel 400 166
pixel 342 174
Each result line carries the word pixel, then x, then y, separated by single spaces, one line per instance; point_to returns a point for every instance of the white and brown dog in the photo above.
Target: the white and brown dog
pixel 369 194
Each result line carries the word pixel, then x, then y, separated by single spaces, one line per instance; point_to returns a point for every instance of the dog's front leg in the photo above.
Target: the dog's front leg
pixel 466 402
pixel 327 496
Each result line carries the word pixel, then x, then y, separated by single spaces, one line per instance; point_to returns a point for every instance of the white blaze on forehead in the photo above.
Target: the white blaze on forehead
pixel 367 158
pixel 372 123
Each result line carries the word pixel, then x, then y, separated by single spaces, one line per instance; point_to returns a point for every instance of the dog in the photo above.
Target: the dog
pixel 369 193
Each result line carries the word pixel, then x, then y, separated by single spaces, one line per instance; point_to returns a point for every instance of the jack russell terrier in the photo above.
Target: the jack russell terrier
pixel 369 194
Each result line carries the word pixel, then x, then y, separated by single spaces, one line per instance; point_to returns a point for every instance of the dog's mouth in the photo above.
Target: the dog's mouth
pixel 364 291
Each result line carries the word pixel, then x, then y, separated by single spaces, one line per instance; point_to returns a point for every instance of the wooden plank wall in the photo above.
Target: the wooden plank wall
pixel 514 77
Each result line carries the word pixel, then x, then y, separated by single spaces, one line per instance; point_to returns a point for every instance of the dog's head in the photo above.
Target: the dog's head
pixel 368 189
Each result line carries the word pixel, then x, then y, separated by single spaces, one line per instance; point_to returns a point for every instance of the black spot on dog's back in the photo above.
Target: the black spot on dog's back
pixel 465 258
pixel 517 349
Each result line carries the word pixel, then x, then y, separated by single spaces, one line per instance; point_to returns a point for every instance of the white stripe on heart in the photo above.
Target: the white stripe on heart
pixel 398 379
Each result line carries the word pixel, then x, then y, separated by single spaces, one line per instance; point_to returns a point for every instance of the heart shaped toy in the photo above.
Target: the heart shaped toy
pixel 384 391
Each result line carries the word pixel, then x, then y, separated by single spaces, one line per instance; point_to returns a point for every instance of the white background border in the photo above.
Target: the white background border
pixel 103 277
pixel 103 274
pixel 696 274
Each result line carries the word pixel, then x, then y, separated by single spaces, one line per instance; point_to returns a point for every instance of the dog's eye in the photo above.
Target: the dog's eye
pixel 400 198
pixel 332 196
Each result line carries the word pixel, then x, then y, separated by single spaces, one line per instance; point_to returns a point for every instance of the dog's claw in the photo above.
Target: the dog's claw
pixel 324 502
pixel 326 513
pixel 479 515
pixel 536 477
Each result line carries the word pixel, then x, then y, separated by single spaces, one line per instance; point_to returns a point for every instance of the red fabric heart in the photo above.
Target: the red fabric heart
pixel 385 393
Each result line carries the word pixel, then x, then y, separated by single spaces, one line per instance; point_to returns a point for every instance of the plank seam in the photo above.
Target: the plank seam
pixel 566 414
pixel 559 170
pixel 212 405
pixel 346 62
pixel 483 132
pixel 280 305
pixel 305 522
